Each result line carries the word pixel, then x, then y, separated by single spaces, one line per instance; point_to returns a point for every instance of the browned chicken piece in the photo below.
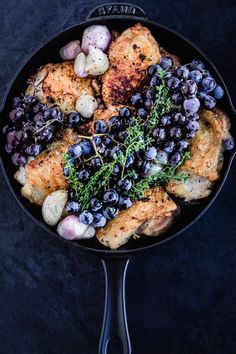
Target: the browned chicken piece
pixel 155 205
pixel 58 84
pixel 44 174
pixel 206 160
pixel 156 226
pixel 129 55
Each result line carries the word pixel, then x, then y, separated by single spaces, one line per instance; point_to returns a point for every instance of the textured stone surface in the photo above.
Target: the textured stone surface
pixel 180 298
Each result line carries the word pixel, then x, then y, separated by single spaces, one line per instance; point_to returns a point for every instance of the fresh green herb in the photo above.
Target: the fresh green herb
pixel 72 178
pixel 169 173
pixel 161 105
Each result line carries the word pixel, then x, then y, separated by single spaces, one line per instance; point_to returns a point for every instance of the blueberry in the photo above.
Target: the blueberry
pixel 195 75
pixel 190 134
pixel 166 63
pixel 122 136
pixel 39 119
pixel 110 197
pixel 196 63
pixel 173 83
pixel 116 151
pixel 165 120
pixel 189 88
pixel 87 148
pixel 116 169
pixel 125 112
pixel 83 175
pixel 100 127
pixel 191 105
pixel 94 163
pixel 177 98
pixel 154 81
pixel 136 99
pixel 95 204
pixel 152 69
pixel 86 217
pixel 16 114
pixel 73 207
pixel 129 161
pixel 218 92
pixel 151 153
pixel 201 95
pixel 182 145
pixel 229 144
pixel 148 103
pixel 124 202
pixel 107 140
pixel 124 184
pixel 114 122
pixel 18 159
pixel 159 134
pixel 169 146
pixel 46 135
pixel 75 151
pixel 97 140
pixel 151 93
pixel 192 125
pixel 195 116
pixel 174 159
pixel 179 118
pixel 98 220
pixel 182 72
pixel 209 102
pixel 208 84
pixel 110 212
pixel 74 119
pixel 142 113
pixel 175 132
pixel 33 149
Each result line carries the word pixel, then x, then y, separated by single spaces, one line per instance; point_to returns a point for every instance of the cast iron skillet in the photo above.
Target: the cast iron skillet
pixel 118 16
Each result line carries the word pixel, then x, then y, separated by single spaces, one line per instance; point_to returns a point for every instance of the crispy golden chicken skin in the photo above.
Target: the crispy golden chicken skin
pixel 155 205
pixel 130 54
pixel 44 174
pixel 58 84
pixel 206 160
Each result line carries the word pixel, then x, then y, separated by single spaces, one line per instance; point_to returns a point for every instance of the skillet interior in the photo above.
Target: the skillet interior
pixel 49 53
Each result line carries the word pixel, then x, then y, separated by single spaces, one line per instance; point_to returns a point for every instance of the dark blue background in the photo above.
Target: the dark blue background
pixel 180 298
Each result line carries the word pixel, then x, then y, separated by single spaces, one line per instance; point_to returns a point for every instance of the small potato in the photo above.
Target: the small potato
pixel 97 61
pixel 70 50
pixel 71 228
pixel 53 206
pixel 79 65
pixel 86 105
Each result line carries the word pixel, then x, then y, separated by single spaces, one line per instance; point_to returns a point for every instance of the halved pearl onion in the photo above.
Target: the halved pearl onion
pixel 96 35
pixel 79 65
pixel 71 228
pixel 70 50
pixel 53 206
pixel 97 61
pixel 86 105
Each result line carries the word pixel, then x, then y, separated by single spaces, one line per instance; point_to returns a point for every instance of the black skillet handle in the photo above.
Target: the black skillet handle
pixel 114 320
pixel 117 9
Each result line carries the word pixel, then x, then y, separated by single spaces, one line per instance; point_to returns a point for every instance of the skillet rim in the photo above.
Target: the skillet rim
pixel 119 252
